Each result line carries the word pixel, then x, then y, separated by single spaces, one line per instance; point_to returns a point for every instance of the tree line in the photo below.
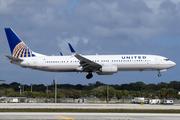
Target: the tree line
pixel 97 90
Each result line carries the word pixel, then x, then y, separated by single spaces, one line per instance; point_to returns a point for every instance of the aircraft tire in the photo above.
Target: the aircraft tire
pixel 159 75
pixel 90 75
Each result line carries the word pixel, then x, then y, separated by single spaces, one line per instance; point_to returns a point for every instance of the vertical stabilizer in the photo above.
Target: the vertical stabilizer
pixel 17 46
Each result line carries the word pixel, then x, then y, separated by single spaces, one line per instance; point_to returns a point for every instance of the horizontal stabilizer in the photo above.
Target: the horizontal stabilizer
pixel 14 58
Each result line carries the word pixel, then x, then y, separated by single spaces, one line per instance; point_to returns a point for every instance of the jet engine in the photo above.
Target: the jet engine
pixel 108 70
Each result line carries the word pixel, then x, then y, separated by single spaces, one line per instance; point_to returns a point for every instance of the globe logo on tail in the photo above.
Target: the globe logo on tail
pixel 21 50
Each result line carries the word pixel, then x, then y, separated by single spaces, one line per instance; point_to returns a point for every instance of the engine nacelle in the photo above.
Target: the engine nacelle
pixel 108 70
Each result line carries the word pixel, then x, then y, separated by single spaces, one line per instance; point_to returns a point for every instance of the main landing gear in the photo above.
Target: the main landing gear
pixel 89 75
pixel 159 74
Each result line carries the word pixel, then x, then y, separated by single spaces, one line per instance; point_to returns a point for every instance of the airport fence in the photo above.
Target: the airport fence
pixel 81 100
pixel 70 100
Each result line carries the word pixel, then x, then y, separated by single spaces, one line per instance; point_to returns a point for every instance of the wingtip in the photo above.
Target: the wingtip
pixel 72 49
pixel 61 53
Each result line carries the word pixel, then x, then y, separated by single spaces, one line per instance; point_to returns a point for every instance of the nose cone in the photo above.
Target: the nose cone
pixel 173 63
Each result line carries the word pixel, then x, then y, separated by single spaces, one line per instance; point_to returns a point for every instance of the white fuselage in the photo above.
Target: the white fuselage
pixel 123 62
pixel 101 64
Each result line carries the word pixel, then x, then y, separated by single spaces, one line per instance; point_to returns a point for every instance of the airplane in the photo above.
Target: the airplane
pixel 101 64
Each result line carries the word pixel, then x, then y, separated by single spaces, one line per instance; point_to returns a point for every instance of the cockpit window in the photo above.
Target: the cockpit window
pixel 166 59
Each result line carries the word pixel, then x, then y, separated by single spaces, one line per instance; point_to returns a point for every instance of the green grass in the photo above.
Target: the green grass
pixel 87 110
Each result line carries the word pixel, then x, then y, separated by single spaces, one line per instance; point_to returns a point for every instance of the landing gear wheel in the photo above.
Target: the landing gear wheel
pixel 159 75
pixel 90 75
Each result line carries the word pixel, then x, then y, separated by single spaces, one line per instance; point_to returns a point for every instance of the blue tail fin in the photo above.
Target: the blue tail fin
pixel 17 46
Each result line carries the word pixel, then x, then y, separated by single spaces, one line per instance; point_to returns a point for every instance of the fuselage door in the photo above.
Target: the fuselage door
pixel 157 61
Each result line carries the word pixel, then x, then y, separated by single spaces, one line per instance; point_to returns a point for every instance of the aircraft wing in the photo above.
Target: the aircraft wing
pixel 85 64
pixel 14 58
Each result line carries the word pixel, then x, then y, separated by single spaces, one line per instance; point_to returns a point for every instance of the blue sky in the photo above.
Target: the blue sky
pixel 91 26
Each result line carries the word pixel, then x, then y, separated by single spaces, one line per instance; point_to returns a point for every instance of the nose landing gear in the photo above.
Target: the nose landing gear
pixel 159 74
pixel 89 75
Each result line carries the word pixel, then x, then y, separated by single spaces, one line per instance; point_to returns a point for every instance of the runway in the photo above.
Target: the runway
pixel 86 106
pixel 74 116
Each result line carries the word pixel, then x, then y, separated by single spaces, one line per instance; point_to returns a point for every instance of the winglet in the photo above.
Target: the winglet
pixel 61 53
pixel 71 48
